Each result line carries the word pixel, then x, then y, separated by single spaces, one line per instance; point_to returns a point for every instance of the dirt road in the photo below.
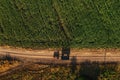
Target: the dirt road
pixel 46 55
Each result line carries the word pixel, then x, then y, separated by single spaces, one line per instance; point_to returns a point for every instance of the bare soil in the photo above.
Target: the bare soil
pixel 47 54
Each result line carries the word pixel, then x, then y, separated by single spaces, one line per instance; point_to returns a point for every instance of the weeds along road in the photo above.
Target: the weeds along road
pixel 46 55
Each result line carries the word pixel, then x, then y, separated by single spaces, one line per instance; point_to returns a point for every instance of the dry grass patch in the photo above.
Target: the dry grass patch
pixel 6 65
pixel 7 62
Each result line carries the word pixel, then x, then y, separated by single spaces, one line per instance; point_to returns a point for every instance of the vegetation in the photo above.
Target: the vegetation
pixel 7 62
pixel 57 23
pixel 84 71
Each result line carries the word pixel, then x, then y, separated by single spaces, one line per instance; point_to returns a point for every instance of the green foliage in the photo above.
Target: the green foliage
pixel 57 72
pixel 52 23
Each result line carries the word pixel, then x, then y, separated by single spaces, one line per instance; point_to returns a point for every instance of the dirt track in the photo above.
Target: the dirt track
pixel 46 55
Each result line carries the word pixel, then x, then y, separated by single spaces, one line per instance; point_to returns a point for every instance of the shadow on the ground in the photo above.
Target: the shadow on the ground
pixel 91 70
pixel 8 57
pixel 73 64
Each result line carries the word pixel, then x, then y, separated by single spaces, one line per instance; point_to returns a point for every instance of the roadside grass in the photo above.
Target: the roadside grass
pixel 84 71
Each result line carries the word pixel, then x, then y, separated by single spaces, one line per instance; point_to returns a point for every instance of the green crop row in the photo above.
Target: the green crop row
pixel 59 23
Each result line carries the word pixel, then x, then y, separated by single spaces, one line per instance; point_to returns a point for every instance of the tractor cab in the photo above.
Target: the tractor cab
pixel 65 53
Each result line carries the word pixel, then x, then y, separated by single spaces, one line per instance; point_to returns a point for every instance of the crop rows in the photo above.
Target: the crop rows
pixel 57 23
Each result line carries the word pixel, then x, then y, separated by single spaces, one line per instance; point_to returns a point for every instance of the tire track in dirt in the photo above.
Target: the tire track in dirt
pixel 12 70
pixel 46 55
